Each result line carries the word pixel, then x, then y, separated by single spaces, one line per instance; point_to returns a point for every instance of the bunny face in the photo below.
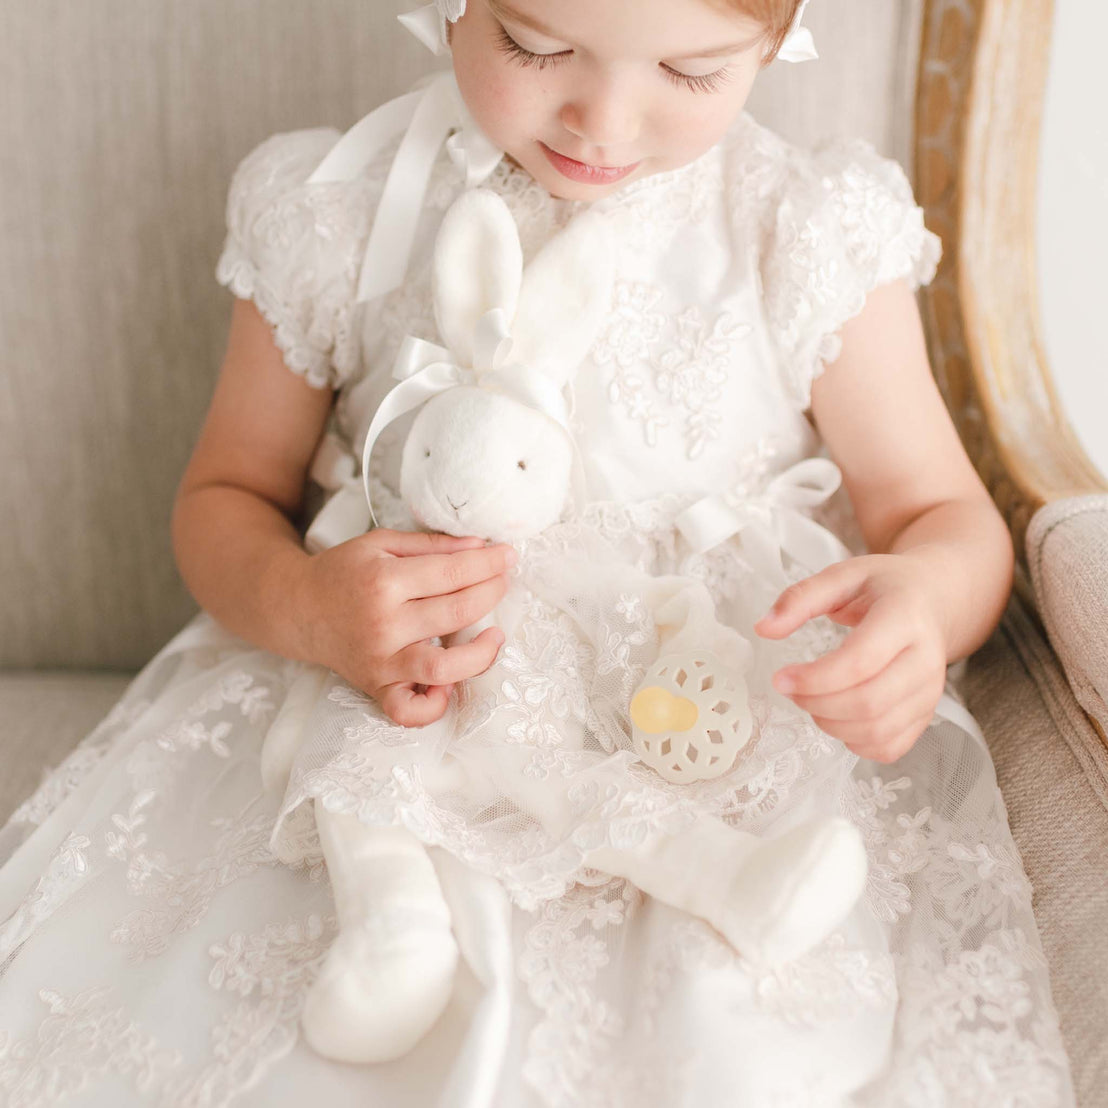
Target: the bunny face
pixel 480 463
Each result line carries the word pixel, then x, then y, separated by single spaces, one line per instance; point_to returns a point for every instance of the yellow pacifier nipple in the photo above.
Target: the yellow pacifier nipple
pixel 654 710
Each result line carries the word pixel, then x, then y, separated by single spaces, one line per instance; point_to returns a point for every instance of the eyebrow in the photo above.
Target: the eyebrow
pixel 501 10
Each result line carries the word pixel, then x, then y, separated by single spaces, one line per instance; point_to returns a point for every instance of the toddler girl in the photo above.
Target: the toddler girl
pixel 165 920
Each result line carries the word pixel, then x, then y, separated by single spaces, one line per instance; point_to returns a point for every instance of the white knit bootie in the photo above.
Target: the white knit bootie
pixel 792 891
pixel 390 973
pixel 772 899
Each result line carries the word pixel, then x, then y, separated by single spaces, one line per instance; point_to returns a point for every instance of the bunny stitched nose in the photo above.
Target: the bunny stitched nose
pixel 456 506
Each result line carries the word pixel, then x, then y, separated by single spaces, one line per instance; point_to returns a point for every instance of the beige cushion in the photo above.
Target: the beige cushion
pixel 1067 553
pixel 1053 772
pixel 124 121
pixel 44 715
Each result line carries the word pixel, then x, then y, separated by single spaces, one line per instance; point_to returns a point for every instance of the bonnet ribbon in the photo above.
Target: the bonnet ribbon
pixel 427 118
pixel 773 521
pixel 798 45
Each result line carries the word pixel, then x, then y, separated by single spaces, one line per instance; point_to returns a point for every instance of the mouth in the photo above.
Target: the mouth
pixel 584 172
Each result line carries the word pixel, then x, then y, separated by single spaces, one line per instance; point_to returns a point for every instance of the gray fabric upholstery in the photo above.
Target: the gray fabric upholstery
pixel 42 717
pixel 1067 552
pixel 121 122
pixel 1052 767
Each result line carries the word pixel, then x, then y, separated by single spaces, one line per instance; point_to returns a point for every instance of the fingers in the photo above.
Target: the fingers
pixel 436 616
pixel 824 592
pixel 431 665
pixel 413 706
pixel 878 732
pixel 865 652
pixel 438 574
pixel 869 700
pixel 890 749
pixel 405 544
pixel 430 674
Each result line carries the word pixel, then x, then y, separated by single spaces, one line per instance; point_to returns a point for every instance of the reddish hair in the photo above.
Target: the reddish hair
pixel 775 15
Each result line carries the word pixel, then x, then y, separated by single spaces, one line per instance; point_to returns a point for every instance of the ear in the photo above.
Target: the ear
pixel 477 267
pixel 566 294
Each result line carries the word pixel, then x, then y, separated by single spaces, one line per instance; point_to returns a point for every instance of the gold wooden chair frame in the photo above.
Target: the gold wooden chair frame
pixel 982 79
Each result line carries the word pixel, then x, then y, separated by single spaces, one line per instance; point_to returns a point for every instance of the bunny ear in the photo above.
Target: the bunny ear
pixel 478 266
pixel 566 294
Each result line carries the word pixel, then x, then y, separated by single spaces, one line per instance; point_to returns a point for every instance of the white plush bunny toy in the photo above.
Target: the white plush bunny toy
pixel 490 454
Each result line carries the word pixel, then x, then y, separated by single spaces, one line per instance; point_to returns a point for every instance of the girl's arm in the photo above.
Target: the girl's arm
pixel 940 573
pixel 365 608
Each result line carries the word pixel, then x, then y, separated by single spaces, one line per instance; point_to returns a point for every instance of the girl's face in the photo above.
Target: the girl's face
pixel 587 95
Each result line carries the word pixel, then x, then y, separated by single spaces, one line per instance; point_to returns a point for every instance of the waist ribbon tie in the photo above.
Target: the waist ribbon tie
pixel 773 521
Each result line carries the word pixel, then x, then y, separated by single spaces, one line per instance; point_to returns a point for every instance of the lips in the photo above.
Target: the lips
pixel 584 172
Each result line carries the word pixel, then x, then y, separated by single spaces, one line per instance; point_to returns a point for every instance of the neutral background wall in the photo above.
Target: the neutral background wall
pixel 1073 219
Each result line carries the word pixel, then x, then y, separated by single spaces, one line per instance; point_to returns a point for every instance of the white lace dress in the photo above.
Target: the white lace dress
pixel 161 915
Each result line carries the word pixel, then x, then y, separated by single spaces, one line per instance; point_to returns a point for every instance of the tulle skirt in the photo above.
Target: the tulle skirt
pixel 162 914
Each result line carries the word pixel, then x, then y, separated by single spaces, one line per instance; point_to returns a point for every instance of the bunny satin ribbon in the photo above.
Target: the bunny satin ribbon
pixel 773 522
pixel 427 117
pixel 425 369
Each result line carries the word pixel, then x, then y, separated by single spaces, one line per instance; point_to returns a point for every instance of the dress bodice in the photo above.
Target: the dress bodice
pixel 733 276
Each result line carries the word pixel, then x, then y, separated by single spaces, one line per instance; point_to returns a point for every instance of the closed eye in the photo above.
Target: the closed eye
pixel 527 58
pixel 698 82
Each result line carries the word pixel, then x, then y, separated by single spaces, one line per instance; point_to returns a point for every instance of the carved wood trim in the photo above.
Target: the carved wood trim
pixel 982 77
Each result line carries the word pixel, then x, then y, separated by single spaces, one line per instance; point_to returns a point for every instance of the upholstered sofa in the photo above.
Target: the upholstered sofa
pixel 120 124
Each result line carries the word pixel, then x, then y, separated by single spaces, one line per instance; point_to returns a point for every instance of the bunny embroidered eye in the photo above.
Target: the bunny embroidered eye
pixel 522 464
pixel 427 452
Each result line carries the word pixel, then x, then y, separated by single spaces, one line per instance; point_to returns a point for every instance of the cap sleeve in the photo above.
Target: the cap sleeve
pixel 291 248
pixel 846 222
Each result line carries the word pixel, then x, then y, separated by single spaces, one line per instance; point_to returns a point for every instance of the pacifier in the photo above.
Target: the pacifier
pixel 690 717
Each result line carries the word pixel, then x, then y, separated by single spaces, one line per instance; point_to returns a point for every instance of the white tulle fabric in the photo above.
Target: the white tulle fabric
pixel 161 916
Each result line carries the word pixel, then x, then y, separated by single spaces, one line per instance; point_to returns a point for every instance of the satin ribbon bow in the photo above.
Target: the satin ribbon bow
pixel 773 521
pixel 427 118
pixel 425 369
pixel 798 46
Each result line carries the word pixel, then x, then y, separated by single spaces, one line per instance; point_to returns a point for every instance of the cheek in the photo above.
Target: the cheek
pixel 507 101
pixel 690 130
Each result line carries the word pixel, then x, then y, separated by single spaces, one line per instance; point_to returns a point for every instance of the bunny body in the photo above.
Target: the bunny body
pixel 490 454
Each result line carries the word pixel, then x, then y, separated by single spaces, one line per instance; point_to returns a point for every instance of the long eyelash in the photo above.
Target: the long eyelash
pixel 703 82
pixel 526 58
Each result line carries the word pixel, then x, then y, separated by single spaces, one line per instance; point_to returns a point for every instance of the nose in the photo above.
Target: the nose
pixel 456 506
pixel 604 114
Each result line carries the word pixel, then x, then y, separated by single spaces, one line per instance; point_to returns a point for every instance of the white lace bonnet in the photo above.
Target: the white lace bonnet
pixel 428 24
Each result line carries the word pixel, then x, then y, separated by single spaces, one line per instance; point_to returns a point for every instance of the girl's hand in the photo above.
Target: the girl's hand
pixel 370 607
pixel 877 691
